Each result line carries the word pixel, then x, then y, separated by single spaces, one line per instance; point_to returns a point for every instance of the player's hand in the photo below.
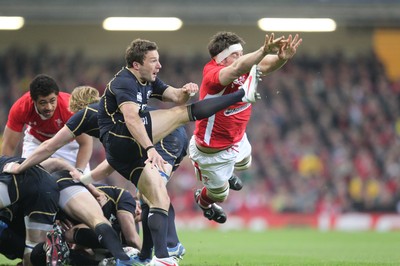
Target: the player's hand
pixel 271 45
pixel 190 88
pixel 138 212
pixel 66 224
pixel 102 199
pixel 288 50
pixel 76 175
pixel 11 168
pixel 155 159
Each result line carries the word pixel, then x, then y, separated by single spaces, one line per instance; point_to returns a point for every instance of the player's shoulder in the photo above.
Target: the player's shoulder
pixel 122 79
pixel 24 105
pixel 94 107
pixel 210 65
pixel 63 103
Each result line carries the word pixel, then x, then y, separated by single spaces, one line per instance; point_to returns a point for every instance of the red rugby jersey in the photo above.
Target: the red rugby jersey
pixel 23 113
pixel 228 126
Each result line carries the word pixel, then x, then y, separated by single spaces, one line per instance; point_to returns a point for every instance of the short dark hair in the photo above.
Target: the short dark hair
pixel 222 40
pixel 43 85
pixel 137 50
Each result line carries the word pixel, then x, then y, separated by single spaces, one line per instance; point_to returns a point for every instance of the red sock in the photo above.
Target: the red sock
pixel 204 200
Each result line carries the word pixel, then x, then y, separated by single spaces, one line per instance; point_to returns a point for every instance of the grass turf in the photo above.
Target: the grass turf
pixel 286 247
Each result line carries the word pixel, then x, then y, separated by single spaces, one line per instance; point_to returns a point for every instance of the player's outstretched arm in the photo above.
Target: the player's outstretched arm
pixel 44 151
pixel 286 51
pixel 244 63
pixel 180 95
pixel 100 172
pixel 85 150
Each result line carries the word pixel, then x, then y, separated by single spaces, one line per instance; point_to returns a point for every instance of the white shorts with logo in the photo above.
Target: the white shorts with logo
pixel 215 169
pixel 68 152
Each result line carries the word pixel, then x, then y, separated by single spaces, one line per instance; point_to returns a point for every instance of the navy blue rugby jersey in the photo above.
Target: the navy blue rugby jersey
pixel 85 121
pixel 125 87
pixel 119 199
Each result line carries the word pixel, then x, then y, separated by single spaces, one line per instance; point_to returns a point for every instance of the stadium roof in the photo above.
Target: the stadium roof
pixel 352 13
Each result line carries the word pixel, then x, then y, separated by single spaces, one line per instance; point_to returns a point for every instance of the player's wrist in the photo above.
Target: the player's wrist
pixel 149 147
pixel 87 179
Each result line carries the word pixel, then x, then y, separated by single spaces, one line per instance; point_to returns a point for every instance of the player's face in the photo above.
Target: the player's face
pixel 232 58
pixel 47 105
pixel 150 68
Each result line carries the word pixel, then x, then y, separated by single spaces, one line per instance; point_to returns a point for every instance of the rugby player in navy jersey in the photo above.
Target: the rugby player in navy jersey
pixel 77 206
pixel 36 194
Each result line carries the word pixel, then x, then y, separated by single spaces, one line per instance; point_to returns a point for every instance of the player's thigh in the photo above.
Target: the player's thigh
pixel 215 169
pixel 243 159
pixel 167 120
pixel 85 208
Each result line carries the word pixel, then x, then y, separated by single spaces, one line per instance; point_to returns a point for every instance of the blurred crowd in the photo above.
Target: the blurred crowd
pixel 325 137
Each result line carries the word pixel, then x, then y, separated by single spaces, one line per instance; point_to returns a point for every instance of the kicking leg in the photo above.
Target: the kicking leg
pixel 166 120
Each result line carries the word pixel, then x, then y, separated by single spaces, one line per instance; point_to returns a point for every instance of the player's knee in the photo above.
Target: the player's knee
pixel 218 194
pixel 159 199
pixel 243 164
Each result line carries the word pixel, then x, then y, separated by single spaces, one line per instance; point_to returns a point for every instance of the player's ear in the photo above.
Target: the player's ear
pixel 135 65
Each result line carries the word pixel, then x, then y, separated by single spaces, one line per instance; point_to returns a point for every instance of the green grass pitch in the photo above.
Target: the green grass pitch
pixel 286 247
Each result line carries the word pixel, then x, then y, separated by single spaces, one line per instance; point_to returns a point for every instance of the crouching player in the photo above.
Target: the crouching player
pixel 36 194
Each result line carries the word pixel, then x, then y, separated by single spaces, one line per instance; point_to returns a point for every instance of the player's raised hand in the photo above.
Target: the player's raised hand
pixel 271 45
pixel 289 49
pixel 190 88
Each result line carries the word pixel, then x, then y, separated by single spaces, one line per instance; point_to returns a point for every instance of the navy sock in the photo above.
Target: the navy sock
pixel 86 237
pixel 147 245
pixel 38 255
pixel 110 240
pixel 207 107
pixel 12 244
pixel 158 225
pixel 172 236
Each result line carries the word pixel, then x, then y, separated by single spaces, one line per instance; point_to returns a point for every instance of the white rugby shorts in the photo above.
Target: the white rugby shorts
pixel 215 169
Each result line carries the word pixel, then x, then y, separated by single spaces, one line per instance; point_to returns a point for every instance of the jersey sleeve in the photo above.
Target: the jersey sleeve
pixel 125 91
pixel 76 122
pixel 158 89
pixel 16 117
pixel 211 79
pixel 126 202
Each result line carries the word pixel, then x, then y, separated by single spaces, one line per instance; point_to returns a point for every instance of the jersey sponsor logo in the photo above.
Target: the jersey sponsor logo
pixel 238 82
pixel 59 122
pixel 149 93
pixel 139 97
pixel 233 111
